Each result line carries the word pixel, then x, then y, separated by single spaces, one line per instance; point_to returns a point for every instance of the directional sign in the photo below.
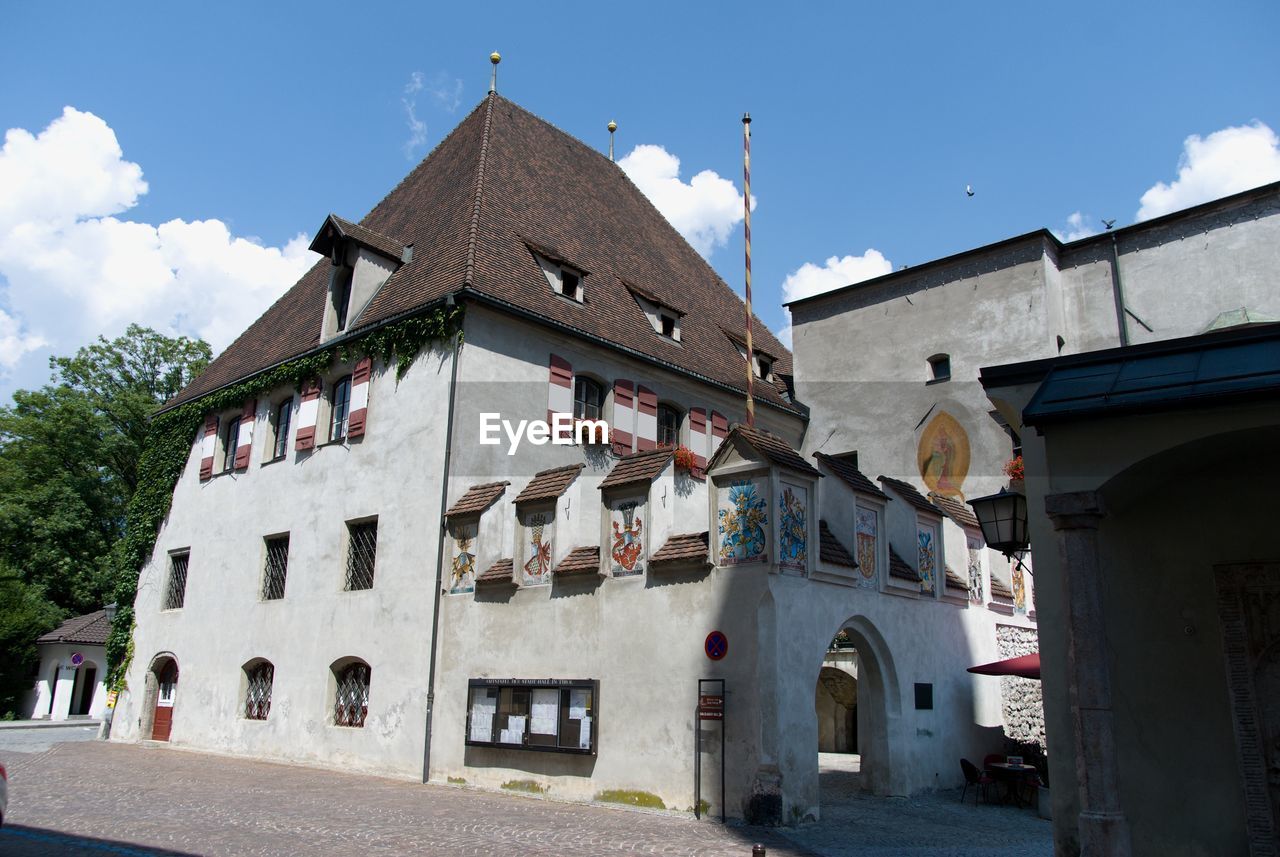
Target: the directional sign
pixel 717 645
pixel 710 714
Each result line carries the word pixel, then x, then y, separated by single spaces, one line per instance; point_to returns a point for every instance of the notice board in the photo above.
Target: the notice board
pixel 548 714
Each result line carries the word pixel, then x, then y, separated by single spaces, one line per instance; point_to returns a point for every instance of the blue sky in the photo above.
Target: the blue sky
pixel 250 122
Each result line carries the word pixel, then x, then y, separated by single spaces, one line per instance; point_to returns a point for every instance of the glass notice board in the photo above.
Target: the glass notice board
pixel 553 715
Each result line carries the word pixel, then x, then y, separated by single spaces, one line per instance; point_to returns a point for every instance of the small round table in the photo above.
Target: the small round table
pixel 1011 776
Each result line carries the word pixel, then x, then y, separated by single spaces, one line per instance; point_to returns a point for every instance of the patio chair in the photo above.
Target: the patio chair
pixel 974 777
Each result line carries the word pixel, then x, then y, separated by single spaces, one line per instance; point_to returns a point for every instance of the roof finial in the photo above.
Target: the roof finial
pixel 494 58
pixel 613 126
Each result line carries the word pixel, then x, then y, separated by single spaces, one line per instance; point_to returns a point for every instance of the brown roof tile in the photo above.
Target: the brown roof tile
pixel 1001 589
pixel 584 560
pixel 685 547
pixel 772 447
pixel 90 629
pixel 955 510
pixel 477 499
pixel 831 550
pixel 503 179
pixel 850 475
pixel 549 484
pixel 499 572
pixel 955 581
pixel 898 568
pixel 638 467
pixel 385 245
pixel 911 495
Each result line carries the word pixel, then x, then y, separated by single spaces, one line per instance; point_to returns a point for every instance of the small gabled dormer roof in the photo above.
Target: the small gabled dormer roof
pixel 639 467
pixel 477 499
pixel 335 230
pixel 956 511
pixel 651 297
pixel 549 484
pixel 850 475
pixel 770 447
pixel 913 497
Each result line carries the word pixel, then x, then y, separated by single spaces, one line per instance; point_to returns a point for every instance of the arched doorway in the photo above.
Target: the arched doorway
pixel 161 695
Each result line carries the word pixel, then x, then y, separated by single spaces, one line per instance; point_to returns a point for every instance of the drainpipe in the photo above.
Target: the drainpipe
pixel 444 499
pixel 1117 292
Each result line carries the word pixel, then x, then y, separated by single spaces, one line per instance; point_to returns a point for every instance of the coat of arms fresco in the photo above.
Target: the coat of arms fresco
pixel 627 544
pixel 537 568
pixel 462 576
pixel 792 527
pixel 743 516
pixel 928 557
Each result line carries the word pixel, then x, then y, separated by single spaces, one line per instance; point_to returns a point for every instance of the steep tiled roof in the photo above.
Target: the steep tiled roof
pixel 90 629
pixel 1001 589
pixel 772 447
pixel 639 467
pixel 955 581
pixel 955 510
pixel 499 572
pixel 686 547
pixel 584 560
pixel 549 484
pixel 898 568
pixel 911 495
pixel 849 474
pixel 831 549
pixel 501 182
pixel 477 499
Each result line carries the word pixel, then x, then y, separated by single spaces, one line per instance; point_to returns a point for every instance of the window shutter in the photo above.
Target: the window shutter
pixel 646 419
pixel 245 443
pixel 560 389
pixel 208 444
pixel 624 415
pixel 699 436
pixel 308 411
pixel 359 397
pixel 719 431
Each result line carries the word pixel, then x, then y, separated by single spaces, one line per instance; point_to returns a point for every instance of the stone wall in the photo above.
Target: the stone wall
pixel 1022 699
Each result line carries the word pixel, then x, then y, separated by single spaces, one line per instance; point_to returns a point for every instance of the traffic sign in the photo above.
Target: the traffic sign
pixel 717 645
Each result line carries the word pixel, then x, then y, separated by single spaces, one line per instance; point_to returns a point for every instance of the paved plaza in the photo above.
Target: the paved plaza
pixel 90 798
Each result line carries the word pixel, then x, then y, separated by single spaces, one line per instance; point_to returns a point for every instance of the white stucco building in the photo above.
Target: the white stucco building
pixel 71 679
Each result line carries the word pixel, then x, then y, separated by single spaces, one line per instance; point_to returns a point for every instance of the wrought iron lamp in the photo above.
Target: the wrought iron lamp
pixel 1003 518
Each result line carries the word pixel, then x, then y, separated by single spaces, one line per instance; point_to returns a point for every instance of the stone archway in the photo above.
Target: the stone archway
pixel 162 675
pixel 836 705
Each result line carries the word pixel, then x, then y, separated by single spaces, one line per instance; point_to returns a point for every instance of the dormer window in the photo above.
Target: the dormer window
pixel 563 278
pixel 764 366
pixel 668 325
pixel 362 260
pixel 570 284
pixel 664 317
pixel 341 296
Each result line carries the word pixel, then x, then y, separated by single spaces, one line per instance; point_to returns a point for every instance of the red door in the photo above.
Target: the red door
pixel 163 721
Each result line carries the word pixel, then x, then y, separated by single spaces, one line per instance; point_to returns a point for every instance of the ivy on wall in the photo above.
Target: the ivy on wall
pixel 172 432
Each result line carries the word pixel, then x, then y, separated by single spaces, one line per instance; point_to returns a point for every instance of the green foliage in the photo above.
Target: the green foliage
pixel 631 797
pixel 25 614
pixel 528 786
pixel 172 433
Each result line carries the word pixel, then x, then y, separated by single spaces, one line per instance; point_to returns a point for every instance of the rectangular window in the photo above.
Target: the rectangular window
pixel 668 325
pixel 283 415
pixel 277 567
pixel 362 548
pixel 533 714
pixel 569 283
pixel 341 409
pixel 230 440
pixel 176 592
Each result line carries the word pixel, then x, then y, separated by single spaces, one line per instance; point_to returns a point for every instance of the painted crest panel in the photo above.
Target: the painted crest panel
pixel 793 523
pixel 627 519
pixel 743 520
pixel 462 567
pixel 539 530
pixel 868 548
pixel 927 555
pixel 976 594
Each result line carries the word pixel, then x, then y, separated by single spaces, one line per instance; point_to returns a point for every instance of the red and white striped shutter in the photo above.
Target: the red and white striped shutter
pixel 646 420
pixel 359 397
pixel 208 444
pixel 699 436
pixel 308 412
pixel 624 415
pixel 719 431
pixel 244 445
pixel 560 389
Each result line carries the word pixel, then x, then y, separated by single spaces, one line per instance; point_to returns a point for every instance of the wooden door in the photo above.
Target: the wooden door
pixel 168 690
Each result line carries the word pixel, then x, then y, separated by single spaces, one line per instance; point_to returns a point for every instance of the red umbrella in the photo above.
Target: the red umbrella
pixel 1027 666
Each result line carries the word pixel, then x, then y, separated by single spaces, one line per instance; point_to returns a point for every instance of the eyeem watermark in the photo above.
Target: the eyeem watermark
pixel 563 430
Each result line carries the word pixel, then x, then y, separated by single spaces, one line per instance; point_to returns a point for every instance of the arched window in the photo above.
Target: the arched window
pixel 260 675
pixel 351 699
pixel 668 426
pixel 940 367
pixel 588 398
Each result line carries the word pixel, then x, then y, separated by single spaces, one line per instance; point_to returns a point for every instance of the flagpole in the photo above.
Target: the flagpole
pixel 746 206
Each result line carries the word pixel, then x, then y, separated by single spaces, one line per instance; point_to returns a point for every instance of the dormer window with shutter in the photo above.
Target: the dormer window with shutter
pixel 362 260
pixel 564 278
pixel 664 318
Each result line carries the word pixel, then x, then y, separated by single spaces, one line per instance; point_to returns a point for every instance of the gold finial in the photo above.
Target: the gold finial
pixel 613 126
pixel 494 58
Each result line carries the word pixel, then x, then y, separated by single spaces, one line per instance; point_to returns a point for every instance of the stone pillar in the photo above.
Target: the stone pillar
pixel 1102 826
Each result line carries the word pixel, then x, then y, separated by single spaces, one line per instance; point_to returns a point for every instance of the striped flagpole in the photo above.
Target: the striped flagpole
pixel 746 207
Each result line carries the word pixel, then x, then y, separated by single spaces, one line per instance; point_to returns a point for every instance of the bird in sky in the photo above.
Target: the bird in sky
pixel 968 190
pixel 1108 223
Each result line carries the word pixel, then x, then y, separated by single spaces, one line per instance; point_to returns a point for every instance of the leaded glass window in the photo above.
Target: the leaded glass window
pixel 176 593
pixel 362 549
pixel 230 443
pixel 341 409
pixel 351 703
pixel 588 398
pixel 277 567
pixel 284 413
pixel 257 700
pixel 668 426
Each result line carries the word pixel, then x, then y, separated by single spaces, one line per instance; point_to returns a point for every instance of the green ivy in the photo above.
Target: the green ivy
pixel 169 445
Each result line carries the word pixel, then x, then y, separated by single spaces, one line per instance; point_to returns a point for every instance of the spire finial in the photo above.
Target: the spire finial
pixel 613 126
pixel 494 58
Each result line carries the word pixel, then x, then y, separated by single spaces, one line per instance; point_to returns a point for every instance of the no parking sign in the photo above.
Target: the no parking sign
pixel 716 646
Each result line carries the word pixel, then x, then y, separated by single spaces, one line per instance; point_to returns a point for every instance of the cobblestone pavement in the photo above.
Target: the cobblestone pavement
pixel 37 739
pixel 94 798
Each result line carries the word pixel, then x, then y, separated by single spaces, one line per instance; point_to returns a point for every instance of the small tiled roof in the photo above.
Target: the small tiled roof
pixel 385 245
pixel 638 467
pixel 898 568
pixel 549 484
pixel 772 447
pixel 499 572
pixel 911 495
pixel 999 588
pixel 849 474
pixel 685 547
pixel 956 511
pixel 90 629
pixel 477 499
pixel 831 550
pixel 955 581
pixel 584 560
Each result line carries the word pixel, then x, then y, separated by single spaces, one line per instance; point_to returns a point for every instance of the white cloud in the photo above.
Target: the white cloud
pixel 73 271
pixel 810 279
pixel 417 128
pixel 446 91
pixel 1077 228
pixel 705 210
pixel 1226 162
